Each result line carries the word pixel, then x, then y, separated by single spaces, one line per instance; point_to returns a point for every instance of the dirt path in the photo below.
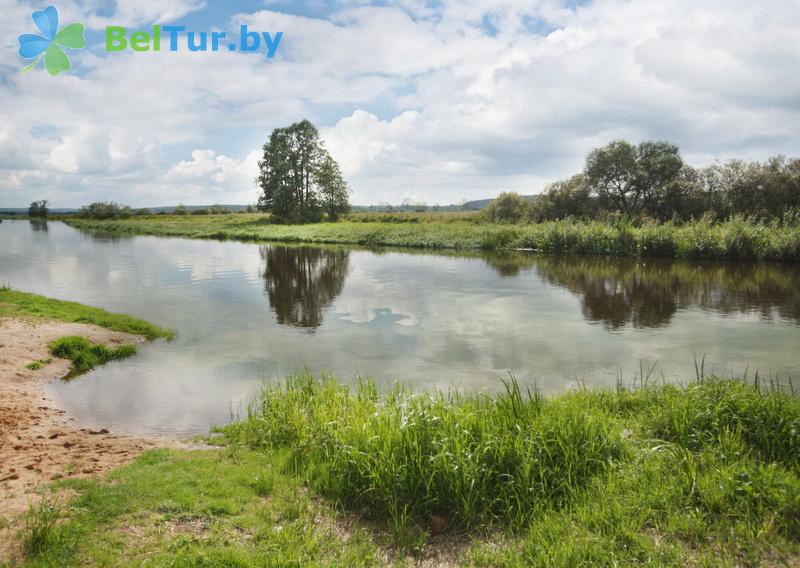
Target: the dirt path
pixel 37 442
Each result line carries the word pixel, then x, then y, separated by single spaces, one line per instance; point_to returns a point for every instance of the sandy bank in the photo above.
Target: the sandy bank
pixel 38 444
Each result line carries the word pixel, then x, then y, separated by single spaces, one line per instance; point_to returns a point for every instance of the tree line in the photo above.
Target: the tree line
pixel 651 180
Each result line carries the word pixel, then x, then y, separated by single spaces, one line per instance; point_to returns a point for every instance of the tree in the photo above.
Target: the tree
pixel 105 210
pixel 570 198
pixel 38 209
pixel 625 176
pixel 509 207
pixel 297 177
pixel 334 191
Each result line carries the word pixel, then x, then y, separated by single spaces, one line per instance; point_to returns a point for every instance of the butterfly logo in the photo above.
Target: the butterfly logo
pixel 48 46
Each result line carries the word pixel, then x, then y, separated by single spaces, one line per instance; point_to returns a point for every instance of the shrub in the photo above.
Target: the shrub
pixel 508 208
pixel 105 210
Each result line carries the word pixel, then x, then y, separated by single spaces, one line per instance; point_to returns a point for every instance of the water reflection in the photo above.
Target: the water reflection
pixel 301 281
pixel 38 225
pixel 647 294
pixel 430 320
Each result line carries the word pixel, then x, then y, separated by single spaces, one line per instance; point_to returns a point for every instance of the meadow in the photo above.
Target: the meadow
pixel 736 239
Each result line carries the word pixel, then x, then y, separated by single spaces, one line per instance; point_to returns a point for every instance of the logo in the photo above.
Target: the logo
pixel 249 41
pixel 48 46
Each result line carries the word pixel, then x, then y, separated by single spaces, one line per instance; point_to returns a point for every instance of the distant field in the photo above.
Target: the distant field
pixel 730 240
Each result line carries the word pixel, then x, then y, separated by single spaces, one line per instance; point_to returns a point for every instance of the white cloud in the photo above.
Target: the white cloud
pixel 460 101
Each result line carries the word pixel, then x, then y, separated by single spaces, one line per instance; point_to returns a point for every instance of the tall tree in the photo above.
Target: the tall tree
pixel 298 179
pixel 334 191
pixel 38 209
pixel 627 176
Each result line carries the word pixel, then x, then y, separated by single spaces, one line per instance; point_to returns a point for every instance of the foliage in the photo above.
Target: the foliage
pixel 625 176
pixel 38 209
pixel 298 179
pixel 105 210
pixel 509 207
pixel 24 303
pixel 86 355
pixel 651 180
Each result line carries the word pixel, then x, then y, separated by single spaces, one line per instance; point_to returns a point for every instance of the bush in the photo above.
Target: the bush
pixel 105 210
pixel 508 208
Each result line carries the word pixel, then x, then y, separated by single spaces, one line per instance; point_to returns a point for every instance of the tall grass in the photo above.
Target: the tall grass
pixel 469 459
pixel 514 458
pixel 737 239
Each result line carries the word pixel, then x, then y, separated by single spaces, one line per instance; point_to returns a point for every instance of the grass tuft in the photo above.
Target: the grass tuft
pixel 86 355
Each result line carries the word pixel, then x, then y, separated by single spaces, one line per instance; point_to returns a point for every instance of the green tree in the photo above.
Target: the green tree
pixel 625 177
pixel 509 207
pixel 297 177
pixel 105 210
pixel 333 189
pixel 569 198
pixel 38 209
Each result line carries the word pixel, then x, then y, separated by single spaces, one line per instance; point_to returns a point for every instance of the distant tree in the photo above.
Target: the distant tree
pixel 333 189
pixel 181 209
pixel 38 209
pixel 296 176
pixel 105 210
pixel 509 207
pixel 625 176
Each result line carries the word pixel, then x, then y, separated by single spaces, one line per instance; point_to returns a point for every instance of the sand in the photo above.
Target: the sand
pixel 38 444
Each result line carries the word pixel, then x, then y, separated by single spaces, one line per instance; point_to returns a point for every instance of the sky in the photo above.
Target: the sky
pixel 434 102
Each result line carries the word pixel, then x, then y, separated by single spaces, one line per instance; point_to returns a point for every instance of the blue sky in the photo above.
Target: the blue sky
pixel 429 101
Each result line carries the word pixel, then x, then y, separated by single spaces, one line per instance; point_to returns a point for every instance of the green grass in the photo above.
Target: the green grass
pixel 661 474
pixel 737 239
pixel 86 355
pixel 38 364
pixel 14 302
pixel 324 474
pixel 194 508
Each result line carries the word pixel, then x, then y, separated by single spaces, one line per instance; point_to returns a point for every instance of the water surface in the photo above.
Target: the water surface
pixel 245 311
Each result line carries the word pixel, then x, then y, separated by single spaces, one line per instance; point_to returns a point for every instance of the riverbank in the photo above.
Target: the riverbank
pixel 323 474
pixel 38 443
pixel 731 240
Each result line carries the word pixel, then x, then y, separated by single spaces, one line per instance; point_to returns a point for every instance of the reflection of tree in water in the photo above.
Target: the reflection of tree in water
pixel 647 292
pixel 509 263
pixel 302 281
pixel 38 225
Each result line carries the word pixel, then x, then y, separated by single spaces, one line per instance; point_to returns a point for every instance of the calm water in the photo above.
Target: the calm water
pixel 246 311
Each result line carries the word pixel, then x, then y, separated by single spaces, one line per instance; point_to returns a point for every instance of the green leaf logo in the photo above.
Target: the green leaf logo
pixel 49 44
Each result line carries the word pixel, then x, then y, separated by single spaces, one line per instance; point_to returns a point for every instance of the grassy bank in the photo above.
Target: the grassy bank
pixel 322 474
pixel 14 302
pixel 731 240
